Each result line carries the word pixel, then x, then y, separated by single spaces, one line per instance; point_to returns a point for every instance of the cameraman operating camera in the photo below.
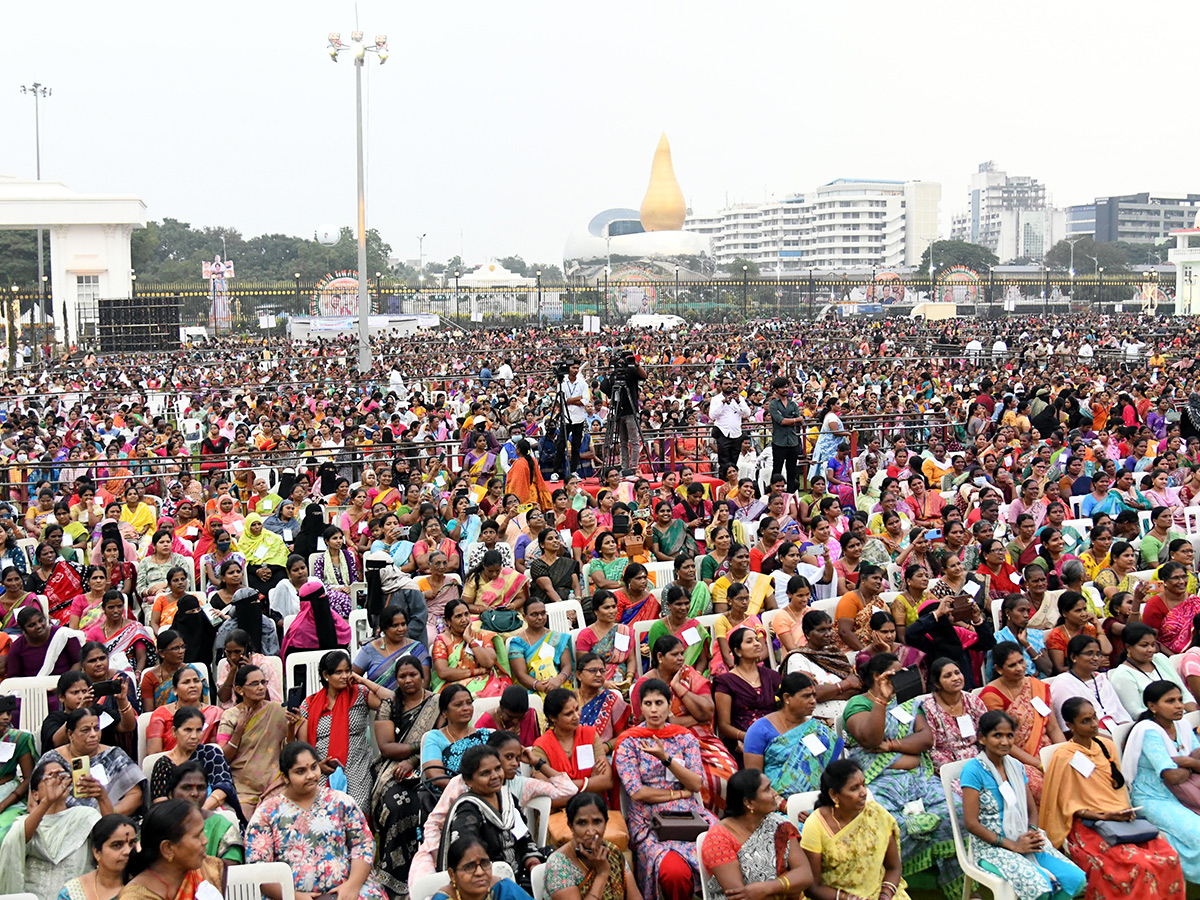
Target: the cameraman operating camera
pixel 626 369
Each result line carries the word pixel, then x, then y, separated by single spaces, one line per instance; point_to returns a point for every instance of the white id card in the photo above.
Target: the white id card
pixel 99 773
pixel 1082 764
pixel 902 715
pixel 519 829
pixel 288 534
pixel 585 756
pixel 814 744
pixel 698 534
pixel 1008 793
pixel 545 651
pixel 7 749
pixel 260 552
pixel 966 726
pixel 621 642
pixel 971 588
pixel 105 719
pixel 690 636
pixel 1039 706
pixel 205 891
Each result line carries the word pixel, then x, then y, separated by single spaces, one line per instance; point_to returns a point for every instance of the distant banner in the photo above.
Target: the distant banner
pixel 552 305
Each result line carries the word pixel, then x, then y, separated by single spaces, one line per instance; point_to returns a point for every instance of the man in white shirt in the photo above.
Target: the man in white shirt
pixel 726 412
pixel 505 374
pixel 576 398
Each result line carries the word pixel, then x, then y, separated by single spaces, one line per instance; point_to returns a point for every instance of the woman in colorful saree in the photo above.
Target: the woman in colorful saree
pixel 754 847
pixel 540 659
pixel 400 727
pixel 85 609
pixel 789 746
pixel 48 846
pixel 120 634
pixel 1001 815
pixel 691 707
pixel 891 741
pixel 377 659
pixel 588 859
pixel 610 640
pixel 669 537
pixel 600 705
pixel 679 623
pixel 60 581
pixel 468 655
pixel 1170 610
pixel 492 585
pixel 659 764
pixel 251 734
pixel 479 462
pixel 852 843
pixel 172 862
pixel 1074 802
pixel 113 840
pixel 635 600
pixel 1027 701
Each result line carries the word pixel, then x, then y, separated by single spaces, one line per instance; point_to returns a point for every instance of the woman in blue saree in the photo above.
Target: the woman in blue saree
pixel 791 747
pixel 377 659
pixel 891 742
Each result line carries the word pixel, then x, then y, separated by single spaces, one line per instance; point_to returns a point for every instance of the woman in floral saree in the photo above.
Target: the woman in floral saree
pixel 479 463
pixel 600 706
pixel 494 586
pixel 1170 610
pixel 782 743
pixel 464 654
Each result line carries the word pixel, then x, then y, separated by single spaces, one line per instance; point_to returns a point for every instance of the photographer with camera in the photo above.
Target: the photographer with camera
pixel 575 398
pixel 726 412
pixel 622 386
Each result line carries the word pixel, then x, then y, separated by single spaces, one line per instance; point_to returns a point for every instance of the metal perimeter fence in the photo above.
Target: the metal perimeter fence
pixel 254 308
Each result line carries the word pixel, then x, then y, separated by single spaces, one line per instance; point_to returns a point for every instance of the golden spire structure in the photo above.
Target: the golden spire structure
pixel 663 207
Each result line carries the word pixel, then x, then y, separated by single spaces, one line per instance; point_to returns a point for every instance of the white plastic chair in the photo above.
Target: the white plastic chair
pixel 1191 520
pixel 704 873
pixel 308 660
pixel 1120 732
pixel 148 765
pixel 203 669
pixel 766 618
pixel 829 607
pixel 484 705
pixel 640 630
pixel 358 595
pixel 1001 889
pixel 1076 505
pixel 803 802
pixel 360 630
pixel 29 545
pixel 245 882
pixel 24 896
pixel 537 878
pixel 661 573
pixel 557 613
pixel 33 692
pixel 1046 753
pixel 143 723
pixel 539 824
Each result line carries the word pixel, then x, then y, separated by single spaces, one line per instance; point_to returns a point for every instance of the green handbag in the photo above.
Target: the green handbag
pixel 501 620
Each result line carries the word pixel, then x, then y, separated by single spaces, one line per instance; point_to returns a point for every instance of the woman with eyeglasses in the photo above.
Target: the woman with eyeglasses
pixel 158 687
pixel 319 832
pixel 470 871
pixel 1083 678
pixel 1073 802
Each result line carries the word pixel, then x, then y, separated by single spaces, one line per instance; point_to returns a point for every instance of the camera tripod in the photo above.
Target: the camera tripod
pixel 620 394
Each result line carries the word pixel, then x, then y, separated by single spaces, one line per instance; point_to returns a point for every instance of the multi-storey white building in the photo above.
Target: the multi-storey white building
pixel 1008 214
pixel 847 223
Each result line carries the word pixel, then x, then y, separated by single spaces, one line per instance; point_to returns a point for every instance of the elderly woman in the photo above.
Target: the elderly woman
pixel 830 671
pixel 782 743
pixel 587 859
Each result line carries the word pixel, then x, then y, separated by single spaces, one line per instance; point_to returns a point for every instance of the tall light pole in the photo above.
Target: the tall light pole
pixel 421 251
pixel 359 50
pixel 539 287
pixel 39 91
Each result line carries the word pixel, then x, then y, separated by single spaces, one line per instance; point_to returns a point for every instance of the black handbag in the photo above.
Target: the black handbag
pixel 678 826
pixel 1136 832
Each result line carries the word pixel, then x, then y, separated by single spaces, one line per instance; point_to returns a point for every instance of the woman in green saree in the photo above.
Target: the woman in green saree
pixel 669 537
pixel 467 655
pixel 679 623
pixel 686 577
pixel 891 742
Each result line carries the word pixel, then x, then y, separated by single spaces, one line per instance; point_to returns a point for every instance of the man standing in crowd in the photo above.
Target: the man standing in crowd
pixel 726 412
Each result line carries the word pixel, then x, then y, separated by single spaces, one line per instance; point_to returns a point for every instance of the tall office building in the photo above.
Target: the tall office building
pixel 1136 218
pixel 1008 214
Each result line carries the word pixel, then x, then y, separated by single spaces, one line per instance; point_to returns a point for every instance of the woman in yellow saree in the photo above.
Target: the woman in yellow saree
pixel 542 657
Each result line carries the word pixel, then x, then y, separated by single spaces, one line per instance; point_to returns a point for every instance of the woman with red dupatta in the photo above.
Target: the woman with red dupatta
pixel 334 720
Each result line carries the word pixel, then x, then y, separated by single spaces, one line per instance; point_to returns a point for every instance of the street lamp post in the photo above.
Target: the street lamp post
pixel 11 321
pixel 745 292
pixel 677 290
pixel 1099 284
pixel 457 298
pixel 421 251
pixel 359 51
pixel 39 91
pixel 539 286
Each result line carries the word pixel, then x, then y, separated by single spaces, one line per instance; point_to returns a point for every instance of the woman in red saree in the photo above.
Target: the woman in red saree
pixel 1170 611
pixel 59 580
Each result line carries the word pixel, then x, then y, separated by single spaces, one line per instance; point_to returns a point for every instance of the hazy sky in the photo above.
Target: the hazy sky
pixel 511 124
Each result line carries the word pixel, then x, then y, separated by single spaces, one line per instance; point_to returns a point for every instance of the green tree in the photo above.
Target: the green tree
pixel 736 266
pixel 1110 257
pixel 18 259
pixel 958 253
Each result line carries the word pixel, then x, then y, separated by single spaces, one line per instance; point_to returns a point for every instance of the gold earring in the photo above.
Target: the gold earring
pixel 836 804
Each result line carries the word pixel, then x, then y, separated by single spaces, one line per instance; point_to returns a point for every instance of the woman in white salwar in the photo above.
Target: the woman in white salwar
pixel 49 846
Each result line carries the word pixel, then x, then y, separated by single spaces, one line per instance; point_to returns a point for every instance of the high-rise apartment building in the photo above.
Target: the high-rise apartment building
pixel 1008 214
pixel 847 223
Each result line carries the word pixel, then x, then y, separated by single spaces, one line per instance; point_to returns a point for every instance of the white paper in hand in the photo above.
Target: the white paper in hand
pixel 585 756
pixel 288 534
pixel 621 642
pixel 105 719
pixel 545 651
pixel 1082 764
pixel 99 774
pixel 814 744
pixel 1039 706
pixel 67 539
pixel 913 807
pixel 902 715
pixel 966 726
pixel 7 749
pixel 519 829
pixel 690 636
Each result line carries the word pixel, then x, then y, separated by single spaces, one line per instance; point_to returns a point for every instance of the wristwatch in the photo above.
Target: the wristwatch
pixel 538 763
